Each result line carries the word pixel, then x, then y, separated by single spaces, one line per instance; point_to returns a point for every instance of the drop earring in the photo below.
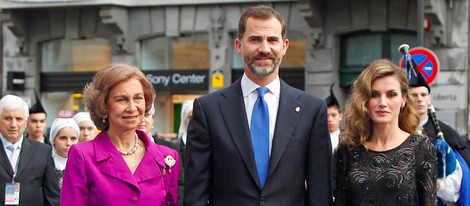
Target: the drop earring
pixel 104 118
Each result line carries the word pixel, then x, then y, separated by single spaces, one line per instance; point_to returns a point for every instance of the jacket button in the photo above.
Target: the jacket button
pixel 261 201
pixel 133 200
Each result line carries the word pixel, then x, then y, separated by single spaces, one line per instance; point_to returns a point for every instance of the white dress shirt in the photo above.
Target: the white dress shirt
pixel 250 95
pixel 334 137
pixel 17 146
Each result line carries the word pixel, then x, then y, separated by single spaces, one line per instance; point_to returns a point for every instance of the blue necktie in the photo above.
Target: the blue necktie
pixel 260 135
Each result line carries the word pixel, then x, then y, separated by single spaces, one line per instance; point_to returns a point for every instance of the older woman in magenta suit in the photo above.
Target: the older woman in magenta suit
pixel 120 166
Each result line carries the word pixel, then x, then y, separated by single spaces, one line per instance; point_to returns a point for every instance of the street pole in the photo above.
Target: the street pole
pixel 420 29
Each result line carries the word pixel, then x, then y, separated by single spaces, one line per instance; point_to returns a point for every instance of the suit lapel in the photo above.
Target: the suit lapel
pixel 4 161
pixel 153 161
pixel 232 108
pixel 26 154
pixel 110 161
pixel 287 118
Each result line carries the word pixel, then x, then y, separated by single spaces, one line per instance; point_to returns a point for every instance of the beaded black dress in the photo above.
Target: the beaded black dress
pixel 405 175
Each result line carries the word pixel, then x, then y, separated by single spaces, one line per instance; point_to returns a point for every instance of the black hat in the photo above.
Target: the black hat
pixel 416 79
pixel 37 107
pixel 331 100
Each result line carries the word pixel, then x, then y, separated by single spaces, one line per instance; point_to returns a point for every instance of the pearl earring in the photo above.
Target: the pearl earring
pixel 104 118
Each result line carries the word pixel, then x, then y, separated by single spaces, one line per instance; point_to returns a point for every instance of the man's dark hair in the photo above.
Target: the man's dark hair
pixel 260 12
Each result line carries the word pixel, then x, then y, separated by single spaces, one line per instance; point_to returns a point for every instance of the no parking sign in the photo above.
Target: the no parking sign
pixel 426 61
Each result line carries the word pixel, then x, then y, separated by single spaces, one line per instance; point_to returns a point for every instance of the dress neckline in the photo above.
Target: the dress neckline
pixel 392 149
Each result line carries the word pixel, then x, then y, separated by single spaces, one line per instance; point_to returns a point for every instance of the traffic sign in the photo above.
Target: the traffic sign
pixel 426 61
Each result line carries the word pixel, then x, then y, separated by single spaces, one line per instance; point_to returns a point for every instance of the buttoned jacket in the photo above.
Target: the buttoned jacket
pixel 96 174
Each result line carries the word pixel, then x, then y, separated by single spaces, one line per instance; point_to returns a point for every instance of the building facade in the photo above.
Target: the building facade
pixel 186 47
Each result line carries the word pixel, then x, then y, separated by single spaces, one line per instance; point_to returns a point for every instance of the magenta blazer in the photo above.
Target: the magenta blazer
pixel 96 174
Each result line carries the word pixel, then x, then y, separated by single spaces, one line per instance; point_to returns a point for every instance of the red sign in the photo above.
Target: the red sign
pixel 65 114
pixel 427 25
pixel 426 61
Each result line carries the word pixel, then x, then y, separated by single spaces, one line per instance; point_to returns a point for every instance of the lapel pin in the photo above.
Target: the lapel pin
pixel 170 161
pixel 297 109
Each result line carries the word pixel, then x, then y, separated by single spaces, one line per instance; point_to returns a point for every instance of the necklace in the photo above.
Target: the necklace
pixel 132 151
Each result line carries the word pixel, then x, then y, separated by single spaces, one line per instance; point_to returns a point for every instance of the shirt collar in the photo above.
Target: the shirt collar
pixel 335 133
pixel 422 123
pixel 6 143
pixel 249 86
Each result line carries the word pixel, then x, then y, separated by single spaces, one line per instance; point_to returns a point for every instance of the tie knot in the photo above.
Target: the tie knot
pixel 262 91
pixel 11 148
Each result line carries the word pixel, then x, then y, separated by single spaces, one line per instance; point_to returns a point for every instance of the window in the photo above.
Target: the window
pixel 295 55
pixel 75 56
pixel 66 55
pixel 361 48
pixel 189 51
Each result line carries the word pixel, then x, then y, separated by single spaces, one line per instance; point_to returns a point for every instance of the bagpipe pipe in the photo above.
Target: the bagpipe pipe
pixel 446 157
pixel 435 123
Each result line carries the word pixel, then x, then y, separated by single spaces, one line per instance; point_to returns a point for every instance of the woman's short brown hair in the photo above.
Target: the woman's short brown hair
pixel 96 93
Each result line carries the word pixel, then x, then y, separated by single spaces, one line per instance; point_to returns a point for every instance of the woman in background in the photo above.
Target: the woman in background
pixel 64 133
pixel 381 159
pixel 121 166
pixel 186 114
pixel 86 125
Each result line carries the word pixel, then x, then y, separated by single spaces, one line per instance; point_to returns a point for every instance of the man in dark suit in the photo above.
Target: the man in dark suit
pixel 24 162
pixel 231 158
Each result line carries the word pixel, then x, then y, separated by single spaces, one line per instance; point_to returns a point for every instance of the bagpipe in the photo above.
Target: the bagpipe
pixel 446 157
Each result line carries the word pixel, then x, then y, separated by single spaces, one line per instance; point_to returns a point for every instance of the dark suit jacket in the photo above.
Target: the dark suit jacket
pixel 220 167
pixel 46 139
pixel 38 181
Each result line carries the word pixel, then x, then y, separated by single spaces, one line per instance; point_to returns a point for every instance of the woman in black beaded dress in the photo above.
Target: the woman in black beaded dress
pixel 381 159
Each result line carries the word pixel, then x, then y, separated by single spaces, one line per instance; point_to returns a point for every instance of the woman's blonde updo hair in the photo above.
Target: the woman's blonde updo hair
pixel 96 93
pixel 358 123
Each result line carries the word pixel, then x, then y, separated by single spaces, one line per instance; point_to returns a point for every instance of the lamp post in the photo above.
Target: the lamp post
pixel 420 17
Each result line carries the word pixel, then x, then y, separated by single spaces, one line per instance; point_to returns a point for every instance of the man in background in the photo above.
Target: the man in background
pixel 37 122
pixel 451 170
pixel 26 165
pixel 334 118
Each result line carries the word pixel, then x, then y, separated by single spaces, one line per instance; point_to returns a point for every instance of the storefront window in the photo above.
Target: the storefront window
pixel 66 55
pixel 189 51
pixel 295 55
pixel 75 55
